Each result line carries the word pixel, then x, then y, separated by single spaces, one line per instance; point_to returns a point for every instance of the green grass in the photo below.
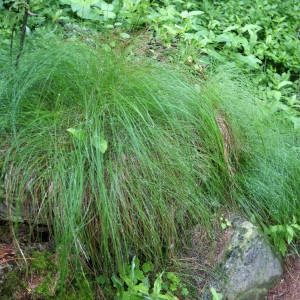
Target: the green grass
pixel 163 171
pixel 267 185
pixel 165 168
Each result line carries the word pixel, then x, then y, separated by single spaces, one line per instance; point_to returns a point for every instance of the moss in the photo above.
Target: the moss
pixel 12 283
pixel 8 287
pixel 42 263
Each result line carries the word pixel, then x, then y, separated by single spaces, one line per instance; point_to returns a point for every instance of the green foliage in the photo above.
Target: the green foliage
pixel 12 16
pixel 42 263
pixel 215 295
pixel 10 285
pixel 264 41
pixel 224 222
pixel 66 102
pixel 134 283
pixel 265 183
pixel 57 108
pixel 96 141
pixel 282 234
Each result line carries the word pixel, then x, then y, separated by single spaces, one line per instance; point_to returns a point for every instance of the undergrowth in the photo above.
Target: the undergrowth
pixel 175 154
pixel 163 170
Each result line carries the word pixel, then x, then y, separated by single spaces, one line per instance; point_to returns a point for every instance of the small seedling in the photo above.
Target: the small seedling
pixel 225 222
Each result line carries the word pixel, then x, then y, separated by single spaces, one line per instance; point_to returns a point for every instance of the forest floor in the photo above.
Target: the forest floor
pixel 195 258
pixel 289 287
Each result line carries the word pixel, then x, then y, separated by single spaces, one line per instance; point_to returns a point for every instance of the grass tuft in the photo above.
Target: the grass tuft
pixel 174 155
pixel 164 168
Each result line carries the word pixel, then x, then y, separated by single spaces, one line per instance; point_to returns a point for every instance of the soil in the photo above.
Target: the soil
pixel 289 287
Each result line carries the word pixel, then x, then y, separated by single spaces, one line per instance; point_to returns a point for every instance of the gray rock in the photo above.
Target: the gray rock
pixel 250 266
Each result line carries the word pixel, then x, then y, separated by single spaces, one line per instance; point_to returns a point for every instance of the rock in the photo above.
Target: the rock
pixel 250 266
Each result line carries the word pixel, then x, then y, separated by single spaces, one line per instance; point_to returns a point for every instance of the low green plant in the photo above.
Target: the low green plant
pixel 105 146
pixel 283 234
pixel 225 222
pixel 215 294
pixel 97 146
pixel 134 283
pixel 173 283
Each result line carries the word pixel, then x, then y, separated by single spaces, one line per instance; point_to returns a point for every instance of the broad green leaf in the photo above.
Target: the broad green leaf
pixel 147 267
pixel 290 234
pixel 216 55
pixel 167 297
pixel 292 100
pixel 296 226
pixel 141 288
pixel 231 28
pixel 99 143
pixel 225 38
pixel 269 39
pixel 101 279
pixel 250 27
pixel 85 2
pixel 296 122
pixel 283 83
pixel 84 9
pixel 184 292
pixel 195 13
pixel 274 95
pixel 282 246
pixel 216 296
pixel 184 14
pixel 124 35
pixel 274 228
pixel 138 274
pixel 282 106
pixel 85 12
pixel 78 133
pixel 157 284
pixel 118 284
pixel 250 60
pixel 109 15
pixel 66 2
pixel 294 220
pixel 105 6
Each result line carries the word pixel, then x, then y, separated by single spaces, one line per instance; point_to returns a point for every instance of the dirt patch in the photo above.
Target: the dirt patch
pixel 289 287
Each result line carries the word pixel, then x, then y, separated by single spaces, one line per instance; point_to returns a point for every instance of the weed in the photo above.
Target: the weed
pixel 282 234
pixel 137 285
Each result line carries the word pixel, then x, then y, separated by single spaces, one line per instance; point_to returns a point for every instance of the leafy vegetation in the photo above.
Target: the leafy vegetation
pixel 138 285
pixel 283 234
pixel 120 156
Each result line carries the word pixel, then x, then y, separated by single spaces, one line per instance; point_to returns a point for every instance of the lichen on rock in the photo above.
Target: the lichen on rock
pixel 250 266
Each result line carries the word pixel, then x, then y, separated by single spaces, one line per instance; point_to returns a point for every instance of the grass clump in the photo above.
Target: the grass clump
pixel 120 157
pixel 266 184
pixel 163 170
